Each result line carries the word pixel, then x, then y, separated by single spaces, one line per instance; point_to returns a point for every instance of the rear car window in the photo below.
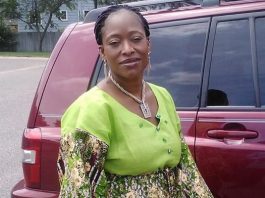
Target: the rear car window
pixel 231 77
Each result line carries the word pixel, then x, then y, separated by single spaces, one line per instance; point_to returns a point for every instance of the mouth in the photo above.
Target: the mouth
pixel 130 61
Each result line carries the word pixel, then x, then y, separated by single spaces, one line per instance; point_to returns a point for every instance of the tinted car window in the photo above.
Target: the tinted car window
pixel 176 59
pixel 231 79
pixel 260 36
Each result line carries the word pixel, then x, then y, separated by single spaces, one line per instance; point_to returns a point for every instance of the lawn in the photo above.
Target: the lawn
pixel 26 54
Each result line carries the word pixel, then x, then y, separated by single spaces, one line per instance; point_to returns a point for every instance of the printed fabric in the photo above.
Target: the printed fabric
pixel 83 174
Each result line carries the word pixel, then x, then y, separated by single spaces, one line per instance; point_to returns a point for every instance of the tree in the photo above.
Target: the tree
pixel 7 38
pixel 95 3
pixel 36 14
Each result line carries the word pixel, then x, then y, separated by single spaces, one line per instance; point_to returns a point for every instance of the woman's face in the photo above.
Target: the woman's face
pixel 125 46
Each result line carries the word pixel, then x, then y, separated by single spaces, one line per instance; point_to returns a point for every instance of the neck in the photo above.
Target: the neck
pixel 143 105
pixel 134 86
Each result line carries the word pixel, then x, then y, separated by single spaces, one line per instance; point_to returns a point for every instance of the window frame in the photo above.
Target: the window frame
pixel 205 83
pixel 257 58
pixel 66 15
pixel 85 13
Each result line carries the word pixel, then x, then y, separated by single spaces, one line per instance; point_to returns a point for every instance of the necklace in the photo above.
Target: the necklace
pixel 143 105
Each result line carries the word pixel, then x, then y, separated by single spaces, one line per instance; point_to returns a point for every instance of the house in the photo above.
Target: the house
pixel 68 17
pixel 12 24
pixel 27 38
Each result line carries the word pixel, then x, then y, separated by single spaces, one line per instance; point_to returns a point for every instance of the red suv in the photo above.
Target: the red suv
pixel 211 57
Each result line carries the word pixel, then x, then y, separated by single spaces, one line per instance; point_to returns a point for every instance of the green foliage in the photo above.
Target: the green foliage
pixel 7 38
pixel 36 14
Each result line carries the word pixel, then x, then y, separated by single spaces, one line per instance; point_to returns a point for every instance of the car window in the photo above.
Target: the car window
pixel 260 37
pixel 231 79
pixel 176 58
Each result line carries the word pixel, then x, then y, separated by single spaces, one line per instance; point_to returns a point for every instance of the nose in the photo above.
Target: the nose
pixel 127 48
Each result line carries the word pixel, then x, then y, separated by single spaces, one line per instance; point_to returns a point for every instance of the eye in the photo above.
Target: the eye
pixel 113 42
pixel 137 38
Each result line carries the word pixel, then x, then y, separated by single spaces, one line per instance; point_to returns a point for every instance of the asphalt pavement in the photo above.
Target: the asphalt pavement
pixel 19 78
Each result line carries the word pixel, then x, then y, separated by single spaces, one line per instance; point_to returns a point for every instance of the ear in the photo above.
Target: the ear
pixel 101 52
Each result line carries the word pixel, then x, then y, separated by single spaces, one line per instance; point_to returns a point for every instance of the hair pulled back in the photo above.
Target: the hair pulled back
pixel 105 14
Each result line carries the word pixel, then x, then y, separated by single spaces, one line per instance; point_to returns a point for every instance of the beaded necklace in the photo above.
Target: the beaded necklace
pixel 143 105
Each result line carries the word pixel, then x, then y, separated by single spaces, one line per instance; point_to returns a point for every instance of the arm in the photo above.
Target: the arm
pixel 82 156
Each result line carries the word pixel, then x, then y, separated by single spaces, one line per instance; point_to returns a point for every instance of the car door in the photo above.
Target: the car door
pixel 230 127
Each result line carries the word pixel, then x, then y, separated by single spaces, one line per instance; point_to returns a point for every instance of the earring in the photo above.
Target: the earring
pixel 149 63
pixel 106 69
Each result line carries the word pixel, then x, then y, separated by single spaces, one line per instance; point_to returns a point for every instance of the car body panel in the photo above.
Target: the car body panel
pixel 232 157
pixel 20 191
pixel 49 151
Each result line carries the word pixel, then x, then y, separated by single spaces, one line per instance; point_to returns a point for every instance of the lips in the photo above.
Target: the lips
pixel 130 61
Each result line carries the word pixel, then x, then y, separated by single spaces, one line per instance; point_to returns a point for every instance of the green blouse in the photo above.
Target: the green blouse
pixel 108 151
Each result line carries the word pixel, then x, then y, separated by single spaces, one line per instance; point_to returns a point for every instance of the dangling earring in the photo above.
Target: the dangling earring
pixel 149 63
pixel 106 69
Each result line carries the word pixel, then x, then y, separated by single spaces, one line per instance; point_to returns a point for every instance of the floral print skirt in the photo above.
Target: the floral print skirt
pixel 161 184
pixel 82 174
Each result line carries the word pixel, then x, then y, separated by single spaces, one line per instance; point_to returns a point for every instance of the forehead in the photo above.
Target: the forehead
pixel 121 20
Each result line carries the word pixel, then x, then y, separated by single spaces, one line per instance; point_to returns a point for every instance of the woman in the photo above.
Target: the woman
pixel 122 138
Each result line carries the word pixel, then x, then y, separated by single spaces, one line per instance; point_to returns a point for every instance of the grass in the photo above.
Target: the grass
pixel 26 54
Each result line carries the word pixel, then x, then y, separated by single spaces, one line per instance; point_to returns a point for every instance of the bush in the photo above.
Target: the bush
pixel 7 39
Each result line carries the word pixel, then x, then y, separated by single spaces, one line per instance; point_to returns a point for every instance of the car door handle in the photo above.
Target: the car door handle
pixel 224 134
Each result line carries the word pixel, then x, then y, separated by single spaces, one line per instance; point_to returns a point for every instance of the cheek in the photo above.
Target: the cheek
pixel 110 55
pixel 146 55
pixel 145 61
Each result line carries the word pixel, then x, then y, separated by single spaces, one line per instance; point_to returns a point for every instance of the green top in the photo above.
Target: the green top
pixel 107 151
pixel 135 145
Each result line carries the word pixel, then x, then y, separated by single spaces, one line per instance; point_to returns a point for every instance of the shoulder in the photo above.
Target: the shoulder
pixel 89 112
pixel 94 98
pixel 89 104
pixel 160 92
pixel 157 88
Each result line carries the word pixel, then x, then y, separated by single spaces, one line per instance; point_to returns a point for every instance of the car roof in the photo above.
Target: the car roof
pixel 155 7
pixel 224 9
pixel 146 6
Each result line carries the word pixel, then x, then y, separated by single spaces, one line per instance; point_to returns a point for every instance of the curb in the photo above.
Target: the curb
pixel 16 57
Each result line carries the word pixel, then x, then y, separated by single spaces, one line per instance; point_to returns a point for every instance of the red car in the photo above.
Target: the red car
pixel 211 58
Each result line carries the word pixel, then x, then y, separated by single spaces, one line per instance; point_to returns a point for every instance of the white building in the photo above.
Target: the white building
pixel 69 16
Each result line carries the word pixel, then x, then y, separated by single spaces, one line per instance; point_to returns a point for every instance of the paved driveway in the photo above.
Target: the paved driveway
pixel 19 78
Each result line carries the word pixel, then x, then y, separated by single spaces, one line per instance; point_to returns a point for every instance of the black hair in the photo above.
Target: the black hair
pixel 100 22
